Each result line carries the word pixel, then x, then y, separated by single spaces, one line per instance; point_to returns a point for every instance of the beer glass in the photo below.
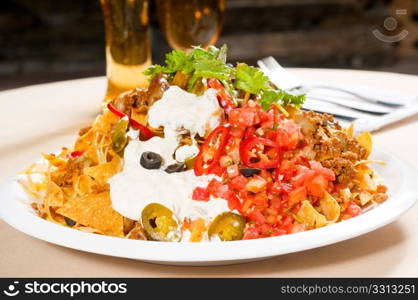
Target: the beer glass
pixel 128 51
pixel 187 23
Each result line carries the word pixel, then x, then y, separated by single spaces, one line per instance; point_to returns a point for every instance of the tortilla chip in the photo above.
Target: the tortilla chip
pixel 310 216
pixel 55 160
pixel 54 195
pixel 365 197
pixel 330 208
pixel 365 139
pixel 94 211
pixel 366 182
pixel 105 122
pixel 350 130
pixel 101 173
pixel 82 185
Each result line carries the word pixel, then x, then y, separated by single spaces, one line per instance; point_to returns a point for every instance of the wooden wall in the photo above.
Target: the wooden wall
pixel 66 37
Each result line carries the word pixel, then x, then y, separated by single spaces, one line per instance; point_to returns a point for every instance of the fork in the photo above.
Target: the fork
pixel 282 78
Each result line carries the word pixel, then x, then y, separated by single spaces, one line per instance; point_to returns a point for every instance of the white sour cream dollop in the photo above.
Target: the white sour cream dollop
pixel 136 187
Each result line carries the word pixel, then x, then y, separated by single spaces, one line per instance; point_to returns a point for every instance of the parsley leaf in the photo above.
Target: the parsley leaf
pixel 200 63
pixel 274 96
pixel 250 79
pixel 153 70
pixel 209 68
pixel 268 98
pixel 176 60
pixel 295 100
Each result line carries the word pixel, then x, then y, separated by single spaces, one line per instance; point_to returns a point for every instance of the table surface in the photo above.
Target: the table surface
pixel 387 252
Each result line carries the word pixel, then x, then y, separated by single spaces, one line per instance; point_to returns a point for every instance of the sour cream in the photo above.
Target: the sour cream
pixel 136 187
pixel 179 110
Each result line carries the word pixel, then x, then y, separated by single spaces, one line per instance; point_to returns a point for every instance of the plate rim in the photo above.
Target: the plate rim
pixel 214 253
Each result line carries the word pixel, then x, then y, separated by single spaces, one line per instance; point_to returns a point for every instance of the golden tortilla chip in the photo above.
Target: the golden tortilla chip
pixel 365 197
pixel 54 195
pixel 82 185
pixel 310 216
pixel 330 208
pixel 55 160
pixel 101 173
pixel 105 122
pixel 94 211
pixel 350 130
pixel 365 139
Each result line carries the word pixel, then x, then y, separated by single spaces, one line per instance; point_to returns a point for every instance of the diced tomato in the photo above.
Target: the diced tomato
pixel 304 175
pixel 225 161
pixel 328 174
pixel 353 209
pixel 257 216
pixel 233 201
pixel 267 118
pixel 256 138
pixel 286 169
pixel 217 189
pixel 288 135
pixel 260 200
pixel 297 195
pixel 232 171
pixel 201 194
pixel 251 232
pixel 243 117
pixel 297 227
pixel 238 183
pixel 278 232
pixel 281 187
pixel 317 186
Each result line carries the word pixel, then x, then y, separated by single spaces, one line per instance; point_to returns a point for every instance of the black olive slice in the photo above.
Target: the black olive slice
pixel 179 167
pixel 69 222
pixel 248 172
pixel 151 160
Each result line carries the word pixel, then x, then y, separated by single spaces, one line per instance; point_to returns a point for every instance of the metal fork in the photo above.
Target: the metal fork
pixel 286 81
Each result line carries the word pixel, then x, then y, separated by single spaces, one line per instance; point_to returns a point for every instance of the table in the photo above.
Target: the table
pixel 27 130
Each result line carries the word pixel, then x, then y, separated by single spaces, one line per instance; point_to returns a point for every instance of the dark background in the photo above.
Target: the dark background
pixel 48 40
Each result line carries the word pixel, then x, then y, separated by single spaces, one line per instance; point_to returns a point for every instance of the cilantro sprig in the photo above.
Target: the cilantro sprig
pixel 211 63
pixel 199 63
pixel 253 80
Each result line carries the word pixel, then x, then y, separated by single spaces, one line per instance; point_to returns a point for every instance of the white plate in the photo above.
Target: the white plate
pixel 399 177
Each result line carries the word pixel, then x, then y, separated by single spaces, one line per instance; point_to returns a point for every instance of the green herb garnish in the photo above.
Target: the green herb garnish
pixel 250 79
pixel 200 63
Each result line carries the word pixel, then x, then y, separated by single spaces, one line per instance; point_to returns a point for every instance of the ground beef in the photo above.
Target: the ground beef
pixel 380 197
pixel 136 98
pixel 65 178
pixel 99 188
pixel 331 144
pixel 343 168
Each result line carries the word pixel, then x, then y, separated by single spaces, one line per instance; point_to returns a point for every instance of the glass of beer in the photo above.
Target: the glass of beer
pixel 191 23
pixel 128 51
